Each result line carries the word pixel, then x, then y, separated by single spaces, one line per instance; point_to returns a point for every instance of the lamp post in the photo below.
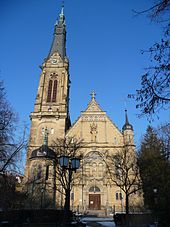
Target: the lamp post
pixel 155 204
pixel 42 195
pixel 71 164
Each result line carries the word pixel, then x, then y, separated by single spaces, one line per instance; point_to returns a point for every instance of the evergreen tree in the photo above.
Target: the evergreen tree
pixel 155 174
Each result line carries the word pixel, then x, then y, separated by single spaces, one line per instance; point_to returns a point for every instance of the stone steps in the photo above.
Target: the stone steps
pixel 97 213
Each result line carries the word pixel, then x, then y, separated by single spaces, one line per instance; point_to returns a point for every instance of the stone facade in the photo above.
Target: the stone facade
pixel 50 121
pixel 100 136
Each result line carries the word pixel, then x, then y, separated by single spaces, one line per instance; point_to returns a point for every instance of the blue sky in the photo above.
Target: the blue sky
pixel 104 40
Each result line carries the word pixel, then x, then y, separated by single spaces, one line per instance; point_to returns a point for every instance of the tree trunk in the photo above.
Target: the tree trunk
pixel 67 198
pixel 127 210
pixel 67 217
pixel 67 201
pixel 127 203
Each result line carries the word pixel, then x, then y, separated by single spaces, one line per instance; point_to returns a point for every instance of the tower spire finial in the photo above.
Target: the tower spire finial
pixel 126 117
pixel 59 38
pixel 62 10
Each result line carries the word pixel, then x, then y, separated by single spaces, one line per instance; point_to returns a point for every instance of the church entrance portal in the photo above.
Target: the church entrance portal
pixel 94 202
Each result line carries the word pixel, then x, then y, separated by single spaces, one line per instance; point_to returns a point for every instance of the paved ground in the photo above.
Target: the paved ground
pixel 98 222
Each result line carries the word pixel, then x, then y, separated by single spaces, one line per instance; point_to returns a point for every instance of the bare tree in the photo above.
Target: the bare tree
pixel 69 146
pixel 158 12
pixel 154 93
pixel 10 146
pixel 123 170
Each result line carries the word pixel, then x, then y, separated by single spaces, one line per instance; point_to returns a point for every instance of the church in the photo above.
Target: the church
pixel 50 121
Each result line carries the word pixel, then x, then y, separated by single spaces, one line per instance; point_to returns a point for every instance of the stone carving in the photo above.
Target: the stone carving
pixel 93 131
pixel 45 133
pixel 93 107
pixel 54 76
pixel 93 118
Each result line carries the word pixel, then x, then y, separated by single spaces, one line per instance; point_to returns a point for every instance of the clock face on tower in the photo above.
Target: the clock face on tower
pixel 54 61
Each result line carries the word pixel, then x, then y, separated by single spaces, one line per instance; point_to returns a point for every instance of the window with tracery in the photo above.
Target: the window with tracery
pixel 52 91
pixel 49 91
pixel 119 196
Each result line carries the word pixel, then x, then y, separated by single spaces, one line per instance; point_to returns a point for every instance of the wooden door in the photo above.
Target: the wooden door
pixel 94 202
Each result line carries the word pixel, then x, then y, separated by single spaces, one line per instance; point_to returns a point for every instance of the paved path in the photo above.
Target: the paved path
pixel 98 222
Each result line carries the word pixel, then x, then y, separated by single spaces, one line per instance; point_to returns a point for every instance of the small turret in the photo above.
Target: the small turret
pixel 127 125
pixel 44 150
pixel 127 131
pixel 42 175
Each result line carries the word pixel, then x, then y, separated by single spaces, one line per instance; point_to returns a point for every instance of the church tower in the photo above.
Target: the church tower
pixel 51 109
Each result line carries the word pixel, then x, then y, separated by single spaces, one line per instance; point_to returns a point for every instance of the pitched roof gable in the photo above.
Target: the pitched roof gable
pixel 93 106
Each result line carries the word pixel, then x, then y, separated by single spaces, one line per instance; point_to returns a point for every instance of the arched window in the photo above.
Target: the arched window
pixel 117 196
pixel 47 172
pixel 54 91
pixel 94 189
pixel 39 172
pixel 120 196
pixel 49 90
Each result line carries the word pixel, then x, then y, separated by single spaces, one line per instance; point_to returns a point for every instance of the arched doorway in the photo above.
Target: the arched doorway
pixel 94 198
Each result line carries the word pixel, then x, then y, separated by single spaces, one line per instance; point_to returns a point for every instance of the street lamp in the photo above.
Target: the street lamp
pixel 71 164
pixel 42 195
pixel 155 190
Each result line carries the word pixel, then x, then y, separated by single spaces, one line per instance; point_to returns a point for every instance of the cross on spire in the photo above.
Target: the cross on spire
pixel 93 94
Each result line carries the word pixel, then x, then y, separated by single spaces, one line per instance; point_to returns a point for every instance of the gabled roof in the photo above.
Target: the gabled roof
pixel 93 113
pixel 93 106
